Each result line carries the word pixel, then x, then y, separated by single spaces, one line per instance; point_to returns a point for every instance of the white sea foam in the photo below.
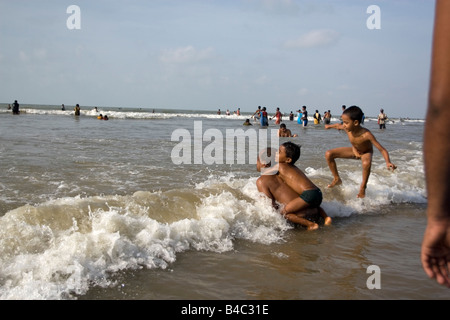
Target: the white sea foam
pixel 87 239
pixel 145 113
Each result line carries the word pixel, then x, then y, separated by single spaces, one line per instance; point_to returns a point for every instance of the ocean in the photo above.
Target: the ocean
pixel 149 206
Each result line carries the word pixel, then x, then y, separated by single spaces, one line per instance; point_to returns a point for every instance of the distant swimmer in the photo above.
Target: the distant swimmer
pixel 105 117
pixel 284 132
pixel 299 116
pixel 257 112
pixel 77 109
pixel 63 107
pixel 343 109
pixel 263 117
pixel 317 117
pixel 304 116
pixel 100 117
pixel 382 117
pixel 277 115
pixel 247 122
pixel 327 117
pixel 15 107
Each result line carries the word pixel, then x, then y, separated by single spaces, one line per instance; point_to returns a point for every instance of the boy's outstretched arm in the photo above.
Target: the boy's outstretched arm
pixel 386 157
pixel 383 152
pixel 334 126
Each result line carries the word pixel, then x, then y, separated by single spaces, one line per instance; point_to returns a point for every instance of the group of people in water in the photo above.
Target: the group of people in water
pixel 302 116
pixel 262 116
pixel 76 109
pixel 286 184
pixel 228 113
pixel 15 107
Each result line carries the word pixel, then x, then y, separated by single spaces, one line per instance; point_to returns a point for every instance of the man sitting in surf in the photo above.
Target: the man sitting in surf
pixel 271 184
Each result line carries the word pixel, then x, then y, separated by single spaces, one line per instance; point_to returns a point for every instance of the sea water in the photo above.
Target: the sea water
pixel 94 209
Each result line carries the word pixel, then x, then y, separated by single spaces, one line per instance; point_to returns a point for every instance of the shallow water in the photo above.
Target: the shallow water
pixel 96 209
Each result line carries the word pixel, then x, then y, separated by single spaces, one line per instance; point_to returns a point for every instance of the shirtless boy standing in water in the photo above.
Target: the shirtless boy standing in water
pixel 285 132
pixel 273 186
pixel 362 141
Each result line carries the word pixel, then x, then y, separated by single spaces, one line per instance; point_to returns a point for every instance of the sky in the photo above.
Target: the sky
pixel 218 54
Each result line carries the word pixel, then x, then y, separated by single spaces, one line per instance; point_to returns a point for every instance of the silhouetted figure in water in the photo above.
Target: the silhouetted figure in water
pixel 15 108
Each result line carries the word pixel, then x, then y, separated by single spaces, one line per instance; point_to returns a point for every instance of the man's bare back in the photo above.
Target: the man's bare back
pixel 280 193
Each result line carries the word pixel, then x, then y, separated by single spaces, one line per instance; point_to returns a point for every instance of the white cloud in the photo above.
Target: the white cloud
pixel 344 87
pixel 23 56
pixel 275 6
pixel 303 91
pixel 79 50
pixel 40 54
pixel 185 55
pixel 315 38
pixel 187 67
pixel 262 80
pixel 33 55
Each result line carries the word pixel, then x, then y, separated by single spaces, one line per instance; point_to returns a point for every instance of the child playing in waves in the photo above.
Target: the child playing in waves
pixel 287 183
pixel 362 141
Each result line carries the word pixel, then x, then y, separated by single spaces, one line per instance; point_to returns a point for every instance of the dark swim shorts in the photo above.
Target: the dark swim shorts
pixel 313 197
